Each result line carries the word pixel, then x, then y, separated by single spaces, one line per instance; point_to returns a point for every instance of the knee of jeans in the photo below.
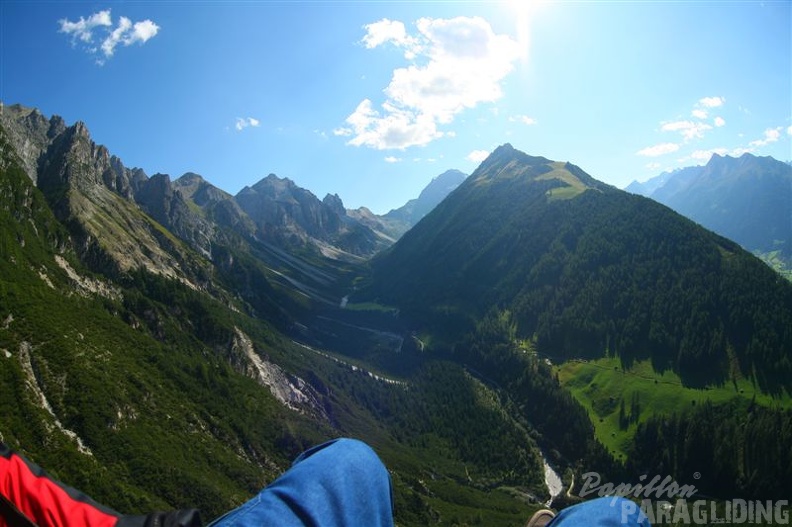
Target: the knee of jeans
pixel 355 449
pixel 358 454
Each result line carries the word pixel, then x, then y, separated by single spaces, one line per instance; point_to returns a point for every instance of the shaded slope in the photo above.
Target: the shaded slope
pixel 598 271
pixel 746 199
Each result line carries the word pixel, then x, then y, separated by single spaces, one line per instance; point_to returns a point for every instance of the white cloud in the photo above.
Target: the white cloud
pixel 397 128
pixel 719 121
pixel 477 156
pixel 392 159
pixel 771 135
pixel 244 122
pixel 688 129
pixel 523 119
pixel 789 130
pixel 454 64
pixel 125 33
pixel 698 113
pixel 676 126
pixel 128 33
pixel 385 30
pixel 712 102
pixel 658 150
pixel 83 29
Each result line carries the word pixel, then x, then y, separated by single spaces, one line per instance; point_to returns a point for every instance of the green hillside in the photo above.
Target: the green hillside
pixel 619 398
pixel 600 272
pixel 651 320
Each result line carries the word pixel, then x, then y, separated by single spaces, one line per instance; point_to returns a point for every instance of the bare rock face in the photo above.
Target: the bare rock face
pixel 93 192
pixel 91 189
pixel 290 215
pixel 30 133
pixel 291 390
pixel 216 205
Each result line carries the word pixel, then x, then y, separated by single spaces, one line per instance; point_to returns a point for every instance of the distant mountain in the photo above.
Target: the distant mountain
pixel 587 269
pixel 648 187
pixel 747 199
pixel 395 223
pixel 293 217
pixel 436 191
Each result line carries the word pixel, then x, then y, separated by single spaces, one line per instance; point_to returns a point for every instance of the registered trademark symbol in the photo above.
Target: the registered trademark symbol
pixel 697 475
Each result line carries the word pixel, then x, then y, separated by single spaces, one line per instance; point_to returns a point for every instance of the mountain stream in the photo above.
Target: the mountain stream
pixel 552 480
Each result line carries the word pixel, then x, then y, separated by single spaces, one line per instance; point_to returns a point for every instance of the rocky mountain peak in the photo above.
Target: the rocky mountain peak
pixel 191 178
pixel 56 126
pixel 442 185
pixel 333 203
pixel 274 183
pixel 80 129
pixel 29 133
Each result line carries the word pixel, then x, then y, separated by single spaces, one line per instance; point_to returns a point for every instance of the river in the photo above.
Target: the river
pixel 552 480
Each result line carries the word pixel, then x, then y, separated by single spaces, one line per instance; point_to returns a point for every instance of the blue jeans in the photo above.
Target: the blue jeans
pixel 338 483
pixel 344 483
pixel 602 512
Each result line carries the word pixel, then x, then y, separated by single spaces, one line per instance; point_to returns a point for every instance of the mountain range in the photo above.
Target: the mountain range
pixel 587 270
pixel 746 199
pixel 166 344
pixel 274 210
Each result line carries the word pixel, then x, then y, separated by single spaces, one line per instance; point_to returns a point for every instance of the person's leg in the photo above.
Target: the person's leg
pixel 339 483
pixel 601 512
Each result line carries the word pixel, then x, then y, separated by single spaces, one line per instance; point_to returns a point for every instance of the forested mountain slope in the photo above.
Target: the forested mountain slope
pixel 746 199
pixel 530 257
pixel 587 269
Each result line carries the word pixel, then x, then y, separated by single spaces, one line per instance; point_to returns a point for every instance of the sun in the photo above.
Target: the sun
pixel 522 7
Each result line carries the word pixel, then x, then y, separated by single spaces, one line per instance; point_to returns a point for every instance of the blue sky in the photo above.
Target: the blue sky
pixel 371 100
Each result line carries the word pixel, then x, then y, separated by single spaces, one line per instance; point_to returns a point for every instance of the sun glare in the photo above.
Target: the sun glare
pixel 524 12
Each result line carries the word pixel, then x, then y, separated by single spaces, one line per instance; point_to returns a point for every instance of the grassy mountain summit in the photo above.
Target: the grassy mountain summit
pixel 589 270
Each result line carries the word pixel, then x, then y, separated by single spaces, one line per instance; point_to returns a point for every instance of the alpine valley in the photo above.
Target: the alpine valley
pixel 164 344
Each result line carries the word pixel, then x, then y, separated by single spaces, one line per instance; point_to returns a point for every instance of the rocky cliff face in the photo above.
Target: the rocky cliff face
pixel 92 189
pixel 293 216
pixel 115 214
pixel 29 133
pixel 215 206
pixel 120 220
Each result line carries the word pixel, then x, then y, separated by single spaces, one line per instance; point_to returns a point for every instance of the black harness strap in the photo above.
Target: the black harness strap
pixel 12 515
